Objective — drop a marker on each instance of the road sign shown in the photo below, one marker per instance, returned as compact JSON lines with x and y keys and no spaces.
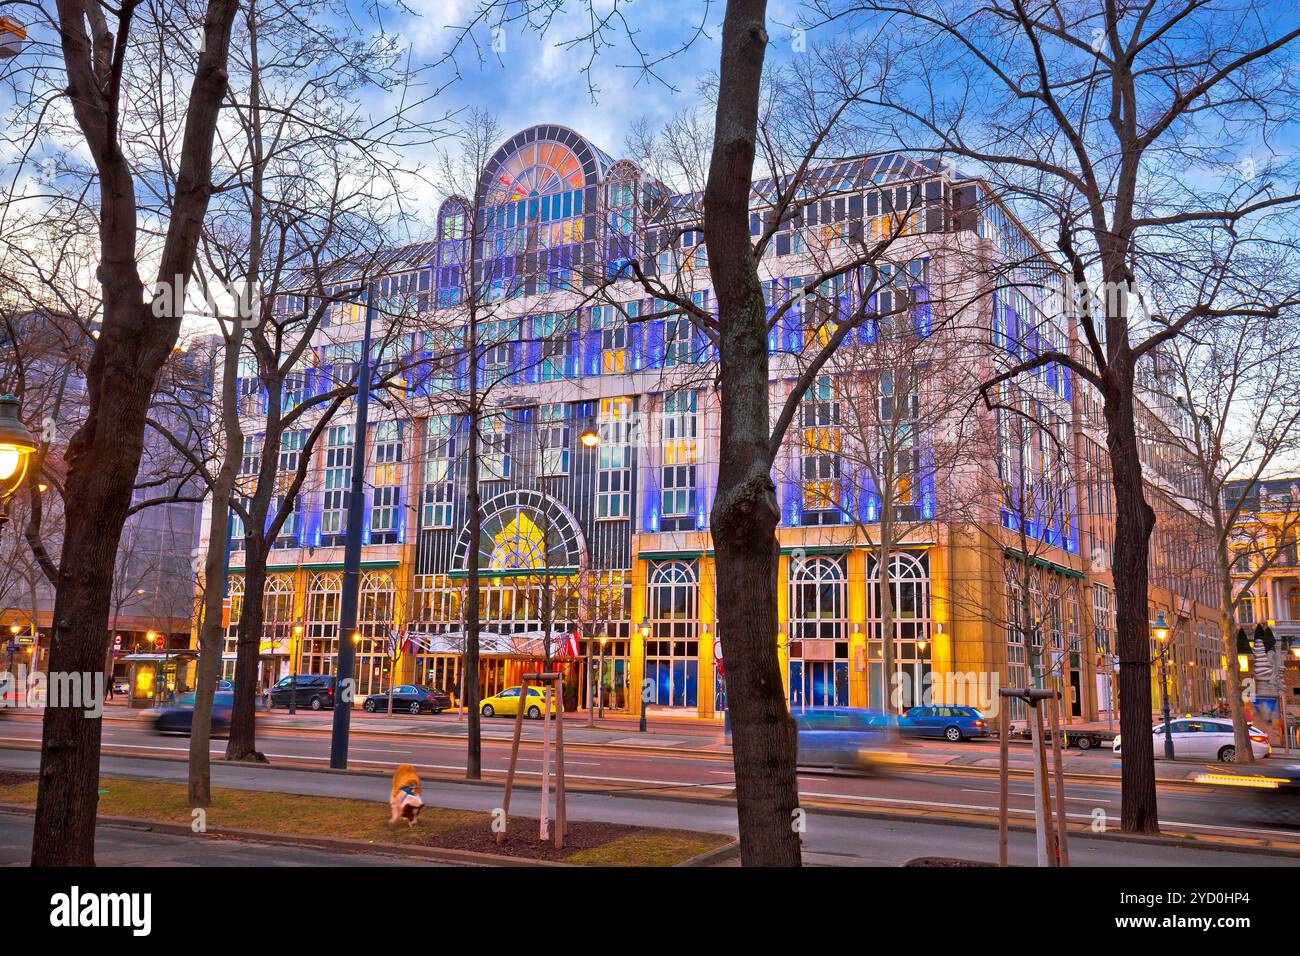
{"x":24,"y":639}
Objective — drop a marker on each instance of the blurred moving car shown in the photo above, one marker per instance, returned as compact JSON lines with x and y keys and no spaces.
{"x":843,"y":737}
{"x":941,"y":720}
{"x":411,"y":699}
{"x":314,"y":691}
{"x":1264,"y":796}
{"x":506,"y":704}
{"x":178,"y":716}
{"x":1209,"y":738}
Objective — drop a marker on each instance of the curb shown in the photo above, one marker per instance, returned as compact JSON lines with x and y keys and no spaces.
{"x":715,"y":856}
{"x":441,"y":854}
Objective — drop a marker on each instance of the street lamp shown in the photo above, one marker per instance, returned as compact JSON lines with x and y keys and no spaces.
{"x":600,"y":681}
{"x":645,"y":634}
{"x":16,"y":447}
{"x":1160,"y":629}
{"x":590,"y":438}
{"x":14,"y":630}
{"x":296,"y":650}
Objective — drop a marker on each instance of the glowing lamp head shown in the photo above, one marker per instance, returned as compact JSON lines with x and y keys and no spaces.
{"x":16,"y":442}
{"x":645,"y":629}
{"x":590,"y":437}
{"x":605,"y":640}
{"x":1161,"y":628}
{"x":14,"y":629}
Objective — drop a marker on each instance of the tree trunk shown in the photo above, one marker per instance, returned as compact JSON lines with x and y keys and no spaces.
{"x":745,"y":512}
{"x":884,"y":557}
{"x":1228,"y":632}
{"x":242,"y":744}
{"x":1134,"y":521}
{"x":104,"y":454}
{"x":210,"y":633}
{"x":469,"y":670}
{"x":104,"y":457}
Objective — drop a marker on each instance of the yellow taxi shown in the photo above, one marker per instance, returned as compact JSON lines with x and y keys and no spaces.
{"x":506,"y":704}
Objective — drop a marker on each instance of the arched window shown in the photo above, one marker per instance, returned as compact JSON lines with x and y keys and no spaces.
{"x":909,"y":589}
{"x":673,"y":648}
{"x":818,"y":609}
{"x":818,"y":599}
{"x":235,"y":596}
{"x":377,"y":610}
{"x":673,"y":597}
{"x":277,"y":609}
{"x":378,"y":605}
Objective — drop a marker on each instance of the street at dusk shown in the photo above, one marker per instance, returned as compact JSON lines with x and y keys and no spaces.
{"x":757,"y":439}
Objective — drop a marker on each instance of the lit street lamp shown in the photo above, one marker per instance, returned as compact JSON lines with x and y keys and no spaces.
{"x":296,"y":650}
{"x":1160,"y":629}
{"x":645,"y":634}
{"x":16,"y":447}
{"x":600,"y":681}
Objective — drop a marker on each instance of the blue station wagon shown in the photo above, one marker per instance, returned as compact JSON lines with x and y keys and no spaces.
{"x":940,"y":720}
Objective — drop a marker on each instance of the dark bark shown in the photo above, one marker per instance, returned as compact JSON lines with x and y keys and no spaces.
{"x":104,"y":454}
{"x":1134,"y":521}
{"x":745,"y":511}
{"x":469,"y":679}
{"x":242,"y":742}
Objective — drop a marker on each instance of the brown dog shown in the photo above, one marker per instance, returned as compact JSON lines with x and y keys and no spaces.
{"x":406,"y":801}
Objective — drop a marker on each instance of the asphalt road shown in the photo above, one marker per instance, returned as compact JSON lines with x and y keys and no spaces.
{"x":621,"y":769}
{"x":830,"y":839}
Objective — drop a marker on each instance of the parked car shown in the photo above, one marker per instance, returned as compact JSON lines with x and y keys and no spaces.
{"x":506,"y":704}
{"x":313,"y":691}
{"x":411,"y":699}
{"x":121,"y":686}
{"x":941,"y":720}
{"x":178,"y":716}
{"x":843,"y":737}
{"x":1207,"y":738}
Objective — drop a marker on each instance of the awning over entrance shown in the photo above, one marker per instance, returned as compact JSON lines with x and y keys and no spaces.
{"x":491,"y":643}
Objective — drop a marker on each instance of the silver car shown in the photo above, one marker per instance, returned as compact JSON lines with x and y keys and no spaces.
{"x":1204,"y":738}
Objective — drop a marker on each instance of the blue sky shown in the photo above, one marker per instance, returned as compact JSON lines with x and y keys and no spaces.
{"x":536,"y":81}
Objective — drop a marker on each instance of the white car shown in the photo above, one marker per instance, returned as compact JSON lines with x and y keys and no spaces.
{"x":1208,"y":738}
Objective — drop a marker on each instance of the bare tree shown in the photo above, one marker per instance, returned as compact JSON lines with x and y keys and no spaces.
{"x":1094,"y":120}
{"x":1234,"y":389}
{"x":103,"y":49}
{"x":312,"y":205}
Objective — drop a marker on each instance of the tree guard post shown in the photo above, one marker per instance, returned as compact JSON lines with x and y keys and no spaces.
{"x":554,"y":683}
{"x":1052,"y":825}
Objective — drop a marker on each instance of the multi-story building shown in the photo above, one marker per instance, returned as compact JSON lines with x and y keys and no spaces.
{"x":1267,"y":549}
{"x":599,"y":447}
{"x":151,"y":604}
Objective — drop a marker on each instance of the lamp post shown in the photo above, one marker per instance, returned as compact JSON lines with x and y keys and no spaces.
{"x":600,"y":680}
{"x":1160,"y":629}
{"x":645,"y":635}
{"x":345,"y":665}
{"x":14,"y":631}
{"x":16,"y":448}
{"x":296,"y":650}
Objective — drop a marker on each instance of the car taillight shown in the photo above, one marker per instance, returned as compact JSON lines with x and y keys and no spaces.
{"x":329,"y":691}
{"x":1259,"y":738}
{"x":979,"y":723}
